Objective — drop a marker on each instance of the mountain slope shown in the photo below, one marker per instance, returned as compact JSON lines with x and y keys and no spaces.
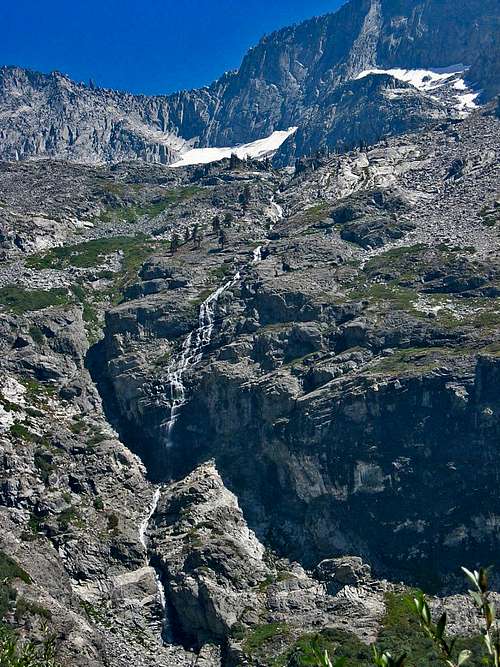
{"x":300,"y":76}
{"x":322,"y":383}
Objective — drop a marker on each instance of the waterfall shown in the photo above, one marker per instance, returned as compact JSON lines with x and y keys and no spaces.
{"x":277,"y":209}
{"x":191,"y":354}
{"x":143,"y":529}
{"x":257,"y":255}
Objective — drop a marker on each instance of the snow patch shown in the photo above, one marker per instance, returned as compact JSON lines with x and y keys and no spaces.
{"x":467,"y":101}
{"x":423,"y":79}
{"x":434,"y":80}
{"x":256,"y":149}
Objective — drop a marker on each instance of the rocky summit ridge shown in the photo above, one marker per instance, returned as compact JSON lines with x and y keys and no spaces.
{"x":305,"y":76}
{"x":246,"y":409}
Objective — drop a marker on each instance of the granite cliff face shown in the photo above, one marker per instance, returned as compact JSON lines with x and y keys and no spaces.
{"x":303,"y":76}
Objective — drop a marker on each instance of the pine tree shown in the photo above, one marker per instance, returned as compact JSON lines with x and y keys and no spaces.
{"x":245,"y":197}
{"x":187,"y":235}
{"x":216,"y":224}
{"x":222,"y":238}
{"x":196,"y":236}
{"x":228,"y":219}
{"x":233,"y":161}
{"x":174,"y":242}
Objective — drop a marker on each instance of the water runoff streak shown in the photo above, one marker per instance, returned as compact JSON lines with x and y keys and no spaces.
{"x":192,"y":353}
{"x":143,"y":530}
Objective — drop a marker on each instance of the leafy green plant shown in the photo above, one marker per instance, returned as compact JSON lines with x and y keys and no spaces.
{"x":385,"y":659}
{"x":481,"y":598}
{"x":15,"y":653}
{"x":19,"y":300}
{"x":437,"y":633}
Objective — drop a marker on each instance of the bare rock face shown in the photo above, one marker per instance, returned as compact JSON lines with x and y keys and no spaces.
{"x":222,"y":585}
{"x":337,"y":371}
{"x":349,"y":570}
{"x":209,"y":583}
{"x":50,"y":116}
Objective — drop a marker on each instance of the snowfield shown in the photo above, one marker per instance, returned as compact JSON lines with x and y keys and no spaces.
{"x":259,"y":149}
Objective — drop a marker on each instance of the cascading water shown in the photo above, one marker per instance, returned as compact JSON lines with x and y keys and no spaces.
{"x":257,"y":255}
{"x":277,"y":211}
{"x":191,"y":354}
{"x":143,"y":529}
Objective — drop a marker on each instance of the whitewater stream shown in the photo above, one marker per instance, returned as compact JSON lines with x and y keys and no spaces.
{"x":143,"y":537}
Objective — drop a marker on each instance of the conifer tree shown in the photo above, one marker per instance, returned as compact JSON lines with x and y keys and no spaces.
{"x":174,"y":242}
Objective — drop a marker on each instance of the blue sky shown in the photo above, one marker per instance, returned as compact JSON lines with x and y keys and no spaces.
{"x":148,"y":46}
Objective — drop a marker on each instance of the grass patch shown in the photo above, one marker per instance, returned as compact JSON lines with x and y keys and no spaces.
{"x":403,"y":259}
{"x":414,"y":360}
{"x":17,"y":653}
{"x":44,"y":464}
{"x":261,"y":635}
{"x":315,"y":213}
{"x":202,"y":296}
{"x":397,"y":297}
{"x":134,"y":252}
{"x":21,"y":432}
{"x":36,"y":334}
{"x":270,"y":580}
{"x":338,"y":643}
{"x":493,"y":350}
{"x":85,"y":255}
{"x":67,"y":518}
{"x":401,"y":633}
{"x":19,"y":300}
{"x":10,"y":570}
{"x":220,"y":272}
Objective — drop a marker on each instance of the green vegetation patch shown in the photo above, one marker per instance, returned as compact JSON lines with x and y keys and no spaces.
{"x":67,"y":518}
{"x":395,"y":296}
{"x":405,"y":260}
{"x":414,"y":360}
{"x":14,"y":652}
{"x":401,"y":633}
{"x":490,"y":215}
{"x":87,"y":254}
{"x":262,"y":635}
{"x":338,"y":643}
{"x":132,"y":212}
{"x":9,"y":571}
{"x":19,"y":300}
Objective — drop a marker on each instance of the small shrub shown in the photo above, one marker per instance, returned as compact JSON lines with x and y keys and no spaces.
{"x":98,"y":503}
{"x":44,"y":464}
{"x":66,"y":518}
